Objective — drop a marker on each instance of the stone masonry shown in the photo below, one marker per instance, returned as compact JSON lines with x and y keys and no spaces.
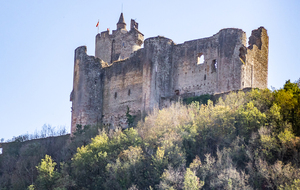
{"x":123,"y":75}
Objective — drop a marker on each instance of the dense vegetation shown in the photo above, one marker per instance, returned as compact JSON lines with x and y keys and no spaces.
{"x":246,"y":141}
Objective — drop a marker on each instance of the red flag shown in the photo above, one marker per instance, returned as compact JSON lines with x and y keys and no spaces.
{"x":97,"y":24}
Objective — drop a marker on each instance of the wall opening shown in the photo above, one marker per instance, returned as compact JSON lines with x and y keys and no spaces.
{"x":204,"y":77}
{"x":242,"y":55}
{"x":116,"y":95}
{"x":129,"y":92}
{"x":177,"y":92}
{"x":112,"y":51}
{"x":214,"y":66}
{"x":200,"y":58}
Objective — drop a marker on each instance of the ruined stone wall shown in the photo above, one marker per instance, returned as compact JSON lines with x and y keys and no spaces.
{"x":122,"y":88}
{"x":257,"y":58}
{"x":182,"y":73}
{"x":86,"y":96}
{"x":190,"y":76}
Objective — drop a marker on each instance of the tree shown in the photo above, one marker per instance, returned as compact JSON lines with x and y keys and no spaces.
{"x":191,"y":181}
{"x":47,"y":175}
{"x":288,"y":99}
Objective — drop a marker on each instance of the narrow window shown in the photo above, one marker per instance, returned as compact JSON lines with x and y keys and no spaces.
{"x":129,"y":92}
{"x":214,"y":66}
{"x":123,"y":44}
{"x":200,"y":58}
{"x":204,"y":77}
{"x":116,"y":95}
{"x":177,"y":92}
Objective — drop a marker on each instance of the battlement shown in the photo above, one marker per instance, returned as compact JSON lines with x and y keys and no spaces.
{"x":123,"y":75}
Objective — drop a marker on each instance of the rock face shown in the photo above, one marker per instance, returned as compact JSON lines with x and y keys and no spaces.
{"x":123,"y":75}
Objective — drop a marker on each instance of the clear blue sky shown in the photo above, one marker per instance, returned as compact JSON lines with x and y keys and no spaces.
{"x":38,"y":39}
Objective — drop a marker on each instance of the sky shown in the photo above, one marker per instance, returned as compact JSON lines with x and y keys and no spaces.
{"x":38,"y":39}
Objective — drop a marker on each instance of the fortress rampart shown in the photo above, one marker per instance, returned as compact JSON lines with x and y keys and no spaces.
{"x":123,"y":75}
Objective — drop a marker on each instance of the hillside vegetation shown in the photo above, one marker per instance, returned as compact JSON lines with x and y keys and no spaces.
{"x":246,"y":141}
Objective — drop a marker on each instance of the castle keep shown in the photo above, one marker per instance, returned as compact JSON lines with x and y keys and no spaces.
{"x":124,"y":75}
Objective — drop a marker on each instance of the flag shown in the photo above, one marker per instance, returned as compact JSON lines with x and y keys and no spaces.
{"x":97,"y":24}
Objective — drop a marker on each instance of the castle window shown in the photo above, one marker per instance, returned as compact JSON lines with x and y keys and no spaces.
{"x":116,"y":95}
{"x":204,"y":77}
{"x":214,"y":66}
{"x":200,"y":58}
{"x":177,"y":92}
{"x":129,"y":92}
{"x":123,"y":44}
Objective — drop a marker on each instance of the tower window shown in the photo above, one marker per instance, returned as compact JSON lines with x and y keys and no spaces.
{"x":123,"y":44}
{"x":116,"y":95}
{"x":200,"y":58}
{"x":204,"y":77}
{"x":129,"y":92}
{"x":214,"y":66}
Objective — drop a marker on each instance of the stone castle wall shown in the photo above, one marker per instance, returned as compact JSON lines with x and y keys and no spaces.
{"x":123,"y":86}
{"x":162,"y":71}
{"x":86,"y":96}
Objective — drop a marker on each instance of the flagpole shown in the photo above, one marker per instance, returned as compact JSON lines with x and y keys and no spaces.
{"x":98,"y":26}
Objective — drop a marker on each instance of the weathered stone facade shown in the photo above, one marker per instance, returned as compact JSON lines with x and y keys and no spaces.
{"x":123,"y":75}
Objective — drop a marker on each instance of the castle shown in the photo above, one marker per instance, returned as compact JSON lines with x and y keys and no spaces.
{"x":122,"y":75}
